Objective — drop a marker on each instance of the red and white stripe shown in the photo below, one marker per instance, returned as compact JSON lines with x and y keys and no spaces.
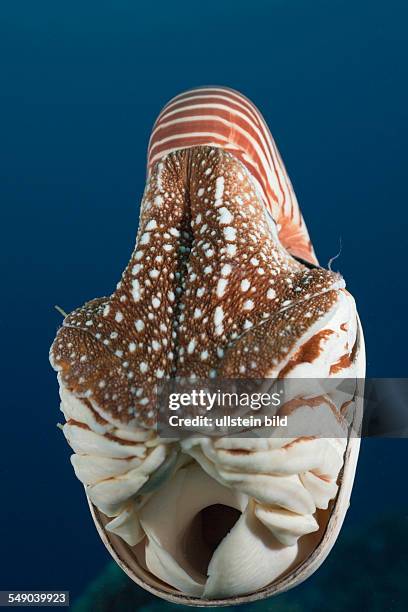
{"x":222,"y":117}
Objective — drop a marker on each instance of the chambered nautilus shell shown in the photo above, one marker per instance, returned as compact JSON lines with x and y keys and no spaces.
{"x":223,"y":282}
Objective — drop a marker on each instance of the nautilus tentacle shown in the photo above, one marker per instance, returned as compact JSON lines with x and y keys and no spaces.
{"x":216,"y":287}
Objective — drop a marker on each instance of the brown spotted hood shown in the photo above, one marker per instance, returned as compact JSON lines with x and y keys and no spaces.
{"x":209,"y":291}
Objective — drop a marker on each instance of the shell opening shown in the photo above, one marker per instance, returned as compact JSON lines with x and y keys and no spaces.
{"x":205,"y":532}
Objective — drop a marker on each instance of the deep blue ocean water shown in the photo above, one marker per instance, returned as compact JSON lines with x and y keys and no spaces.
{"x":81,"y":85}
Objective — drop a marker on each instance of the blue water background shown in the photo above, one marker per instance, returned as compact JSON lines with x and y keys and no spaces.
{"x":81,"y":85}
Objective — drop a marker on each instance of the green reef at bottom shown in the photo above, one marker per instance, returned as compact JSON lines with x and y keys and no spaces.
{"x":366,"y":570}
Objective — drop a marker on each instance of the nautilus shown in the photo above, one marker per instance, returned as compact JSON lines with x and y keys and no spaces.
{"x":223,"y":283}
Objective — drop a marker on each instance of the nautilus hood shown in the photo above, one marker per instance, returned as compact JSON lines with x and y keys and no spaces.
{"x":209,"y":291}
